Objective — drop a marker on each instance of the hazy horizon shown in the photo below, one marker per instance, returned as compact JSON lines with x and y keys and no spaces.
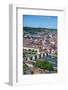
{"x":39,"y":27}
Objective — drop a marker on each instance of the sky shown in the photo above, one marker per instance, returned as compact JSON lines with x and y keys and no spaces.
{"x":40,"y":21}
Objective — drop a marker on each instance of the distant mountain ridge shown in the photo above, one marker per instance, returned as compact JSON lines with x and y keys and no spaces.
{"x":34,"y":29}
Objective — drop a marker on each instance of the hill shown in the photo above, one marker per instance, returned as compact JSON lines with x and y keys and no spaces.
{"x":36,"y":30}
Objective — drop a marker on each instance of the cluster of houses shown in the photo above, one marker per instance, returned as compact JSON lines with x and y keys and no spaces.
{"x":43,"y":42}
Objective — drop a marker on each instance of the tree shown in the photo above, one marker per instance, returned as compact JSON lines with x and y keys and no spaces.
{"x":25,"y":68}
{"x":50,"y":67}
{"x":44,"y":64}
